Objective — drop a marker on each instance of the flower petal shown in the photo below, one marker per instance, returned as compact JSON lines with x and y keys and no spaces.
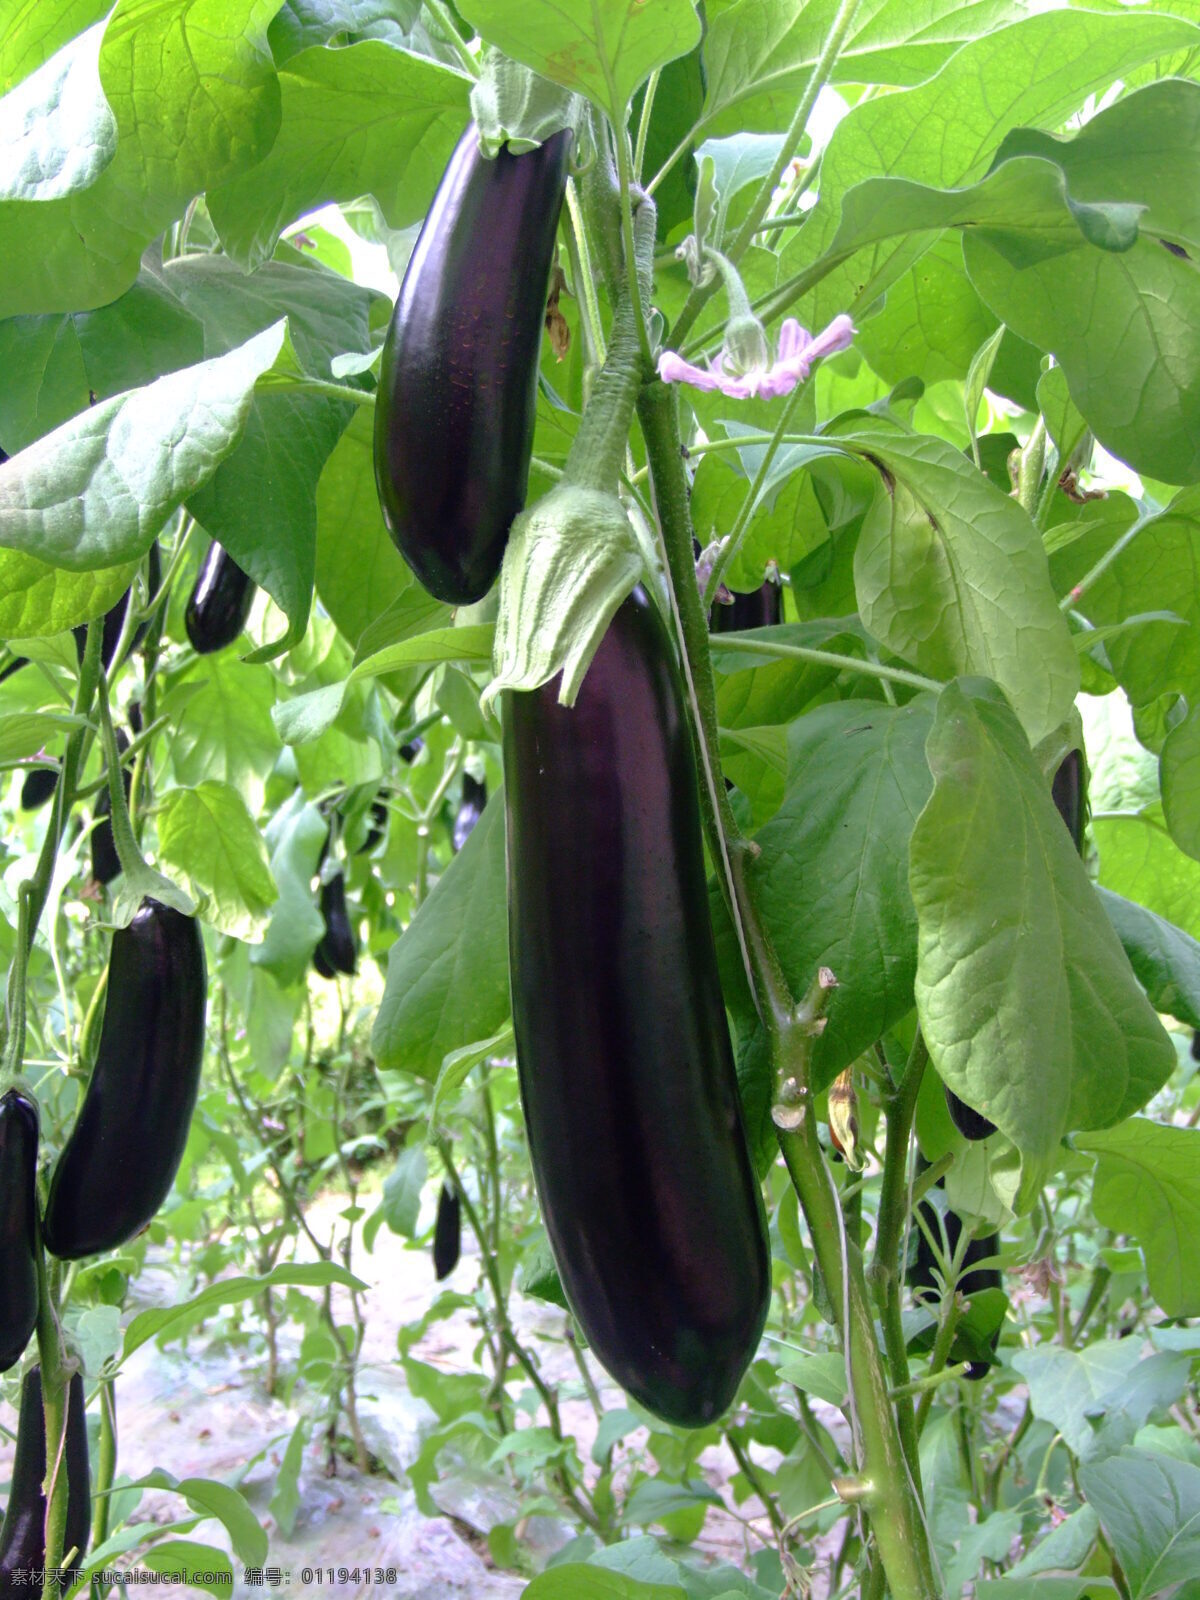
{"x":672,"y":368}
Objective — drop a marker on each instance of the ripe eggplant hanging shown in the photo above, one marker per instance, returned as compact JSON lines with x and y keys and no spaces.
{"x":220,"y":602}
{"x":22,"y":1536}
{"x":474,"y":798}
{"x":972,"y":1124}
{"x":454,"y":415}
{"x":106,"y":864}
{"x":114,"y":618}
{"x":128,"y":1139}
{"x":762,"y":609}
{"x":626,"y":1070}
{"x":921,"y":1278}
{"x":337,"y":946}
{"x":18,"y":1224}
{"x":38,"y":787}
{"x":447,"y":1233}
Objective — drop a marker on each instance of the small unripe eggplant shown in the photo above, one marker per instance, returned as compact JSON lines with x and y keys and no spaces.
{"x":454,"y":414}
{"x":762,"y":609}
{"x":972,"y":1124}
{"x":337,"y":946}
{"x":38,"y":787}
{"x":23,"y":1537}
{"x":219,"y":604}
{"x":123,"y":1153}
{"x":379,"y":821}
{"x":1068,"y":791}
{"x":626,"y":1069}
{"x":474,"y":798}
{"x":106,"y":864}
{"x":18,"y":1224}
{"x":447,"y":1233}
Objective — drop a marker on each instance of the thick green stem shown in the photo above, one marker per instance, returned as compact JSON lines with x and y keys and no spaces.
{"x":106,"y":1462}
{"x":885,"y":1273}
{"x":838,"y":33}
{"x":57,"y":1369}
{"x":597,"y":454}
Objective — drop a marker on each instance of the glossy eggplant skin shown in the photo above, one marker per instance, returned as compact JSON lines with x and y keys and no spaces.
{"x":219,"y":603}
{"x":762,"y":609}
{"x":972,"y":1124}
{"x":337,"y":945}
{"x":1067,"y":789}
{"x":447,"y":1233}
{"x":125,"y":1148}
{"x":474,"y":798}
{"x":921,"y":1276}
{"x":18,"y":1224}
{"x":106,"y":864}
{"x":114,"y":619}
{"x":38,"y":788}
{"x":454,"y":414}
{"x":627,"y":1076}
{"x":23,"y":1537}
{"x":379,"y":822}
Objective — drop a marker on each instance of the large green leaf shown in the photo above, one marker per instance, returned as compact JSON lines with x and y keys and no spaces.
{"x":221,"y":728}
{"x":360,"y":573}
{"x":1179,"y":766}
{"x":1074,"y":1389}
{"x":951,"y":574}
{"x":35,"y":29}
{"x":1124,"y":329}
{"x":194,"y":93}
{"x":1148,"y":1183}
{"x":831,"y":882}
{"x":947,"y":129}
{"x":447,"y":976}
{"x":96,"y":491}
{"x":1164,"y":957}
{"x":1140,"y":860}
{"x":207,"y":835}
{"x":1150,"y":1508}
{"x":37,"y":600}
{"x":1026,"y":1000}
{"x":158,"y":1320}
{"x":364,"y":118}
{"x":932,"y":321}
{"x":572,"y":1581}
{"x":296,"y":835}
{"x":603,"y":49}
{"x":56,"y":130}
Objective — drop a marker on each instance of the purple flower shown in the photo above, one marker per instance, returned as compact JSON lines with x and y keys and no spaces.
{"x":794,"y":357}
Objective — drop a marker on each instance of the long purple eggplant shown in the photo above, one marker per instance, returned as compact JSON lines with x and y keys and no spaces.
{"x":457,"y":390}
{"x":761,"y":609}
{"x":626,"y":1069}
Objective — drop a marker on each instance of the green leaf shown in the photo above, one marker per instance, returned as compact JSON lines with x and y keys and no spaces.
{"x":158,"y":1320}
{"x":402,"y":1191}
{"x":1149,"y":1506}
{"x":1024,"y":995}
{"x":1049,"y":1588}
{"x":296,"y":835}
{"x":365,"y":117}
{"x":220,"y":714}
{"x":199,"y":1566}
{"x":603,"y":49}
{"x":951,"y":575}
{"x":97,"y":490}
{"x":360,"y":573}
{"x":1065,"y":1546}
{"x":37,"y":600}
{"x":285,"y":1499}
{"x":1140,"y":860}
{"x":945,"y":131}
{"x":214,"y":1499}
{"x":574,"y":1582}
{"x":196,"y":99}
{"x":1179,"y":767}
{"x":456,"y":1067}
{"x":1067,"y":1387}
{"x":56,"y":130}
{"x":932,"y":321}
{"x":447,"y":976}
{"x":1119,"y":328}
{"x":1148,"y":1183}
{"x":831,"y":882}
{"x":35,"y":29}
{"x":1165,"y":959}
{"x":25,"y":732}
{"x":211,"y":840}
